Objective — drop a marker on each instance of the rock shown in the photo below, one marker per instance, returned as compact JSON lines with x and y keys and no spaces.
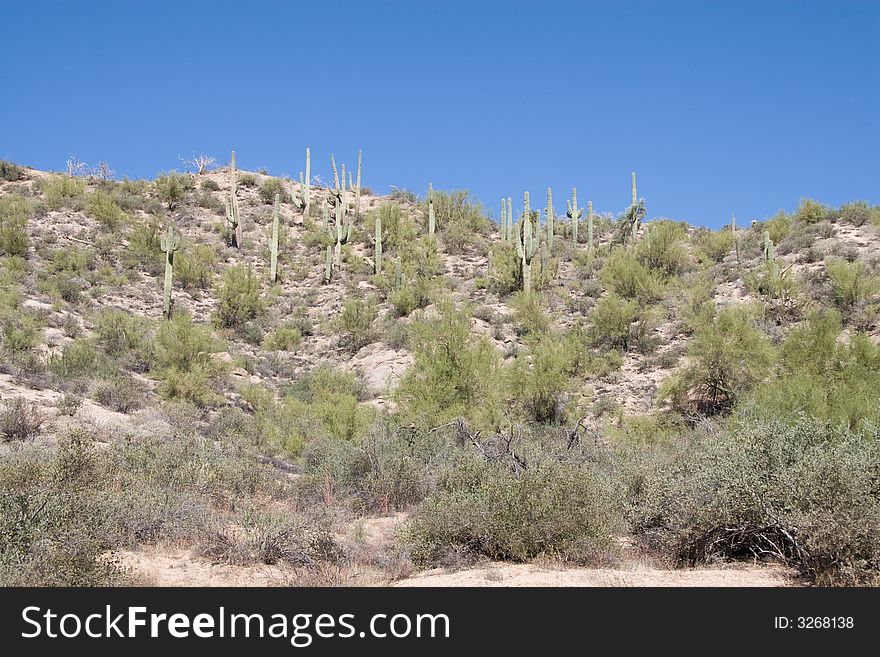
{"x":381,"y":369}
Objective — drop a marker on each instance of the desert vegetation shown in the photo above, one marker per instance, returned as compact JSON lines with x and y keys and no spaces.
{"x":258,"y":370}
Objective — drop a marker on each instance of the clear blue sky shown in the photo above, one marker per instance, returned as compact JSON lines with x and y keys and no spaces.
{"x":719,"y":107}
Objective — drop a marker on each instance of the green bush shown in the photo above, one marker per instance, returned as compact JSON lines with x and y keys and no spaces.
{"x":612,"y":320}
{"x":662,"y":249}
{"x":778,"y":226}
{"x":460,"y":219}
{"x":15,"y":210}
{"x":172,"y":187}
{"x":528,"y":313}
{"x":77,"y":359}
{"x":102,"y":207}
{"x":728,"y":356}
{"x":484,"y":509}
{"x":541,"y":377}
{"x":822,"y":374}
{"x":413,"y":294}
{"x":194,"y":266}
{"x":284,"y":338}
{"x":811,"y":212}
{"x":62,"y":191}
{"x":356,"y":323}
{"x":716,"y":244}
{"x":269,"y":188}
{"x":125,"y":336}
{"x":20,"y":420}
{"x":860,"y":213}
{"x":144,"y":246}
{"x":850,"y":283}
{"x":625,"y":275}
{"x":10,"y":172}
{"x":455,"y":373}
{"x":238,"y":297}
{"x":801,"y":492}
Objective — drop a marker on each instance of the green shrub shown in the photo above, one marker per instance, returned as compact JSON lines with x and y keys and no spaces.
{"x":102,"y":207}
{"x":460,"y":219}
{"x":716,"y":244}
{"x":238,"y":297}
{"x":184,"y":363}
{"x":62,"y":191}
{"x":612,"y":319}
{"x":209,"y":185}
{"x":662,"y":249}
{"x":269,"y":188}
{"x":850,"y":283}
{"x":484,"y":509}
{"x":20,"y":420}
{"x":822,"y":374}
{"x":15,"y":210}
{"x":455,"y":373}
{"x":194,"y":266}
{"x":541,"y":377}
{"x":172,"y":187}
{"x":284,"y":338}
{"x":778,"y":226}
{"x":78,"y":359}
{"x":528,"y":312}
{"x":625,"y":275}
{"x":811,"y":212}
{"x":728,"y":356}
{"x":399,"y":230}
{"x":355,"y":323}
{"x":413,"y":294}
{"x":120,"y":393}
{"x":144,"y":246}
{"x":10,"y":172}
{"x":123,"y":335}
{"x":860,"y":213}
{"x":801,"y":492}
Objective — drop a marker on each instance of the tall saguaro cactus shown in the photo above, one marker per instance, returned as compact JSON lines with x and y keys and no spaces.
{"x":170,"y":242}
{"x":526,"y":245}
{"x":574,"y":213}
{"x":769,"y":248}
{"x":590,"y":226}
{"x":432,"y":221}
{"x":273,"y":242}
{"x":377,"y":239}
{"x":305,"y":188}
{"x":342,"y":229}
{"x":503,"y":227}
{"x":510,"y":221}
{"x":357,"y":189}
{"x":636,"y":212}
{"x":232,"y":214}
{"x":549,"y":218}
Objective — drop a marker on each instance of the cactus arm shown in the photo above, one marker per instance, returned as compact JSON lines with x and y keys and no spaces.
{"x":336,"y":174}
{"x":328,"y":265}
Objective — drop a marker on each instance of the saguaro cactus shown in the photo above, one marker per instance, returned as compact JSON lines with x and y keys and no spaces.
{"x":769,"y":248}
{"x":305,"y":188}
{"x":574,"y":213}
{"x":636,"y":212}
{"x":398,"y":274}
{"x":526,"y":246}
{"x":357,"y":189}
{"x":377,"y":258}
{"x":432,"y":221}
{"x":503,"y":227}
{"x":549,"y":218}
{"x":328,"y":265}
{"x":232,"y":214}
{"x":273,"y":242}
{"x":343,"y":225}
{"x":510,"y":221}
{"x":589,"y":226}
{"x":170,"y":242}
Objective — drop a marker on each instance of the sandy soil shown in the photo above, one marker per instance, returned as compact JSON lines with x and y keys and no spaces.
{"x":536,"y":575}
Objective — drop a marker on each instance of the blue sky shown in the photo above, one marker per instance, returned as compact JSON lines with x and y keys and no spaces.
{"x":719,"y":107}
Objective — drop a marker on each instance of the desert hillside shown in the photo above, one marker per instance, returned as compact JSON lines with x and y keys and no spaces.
{"x":220,"y":376}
